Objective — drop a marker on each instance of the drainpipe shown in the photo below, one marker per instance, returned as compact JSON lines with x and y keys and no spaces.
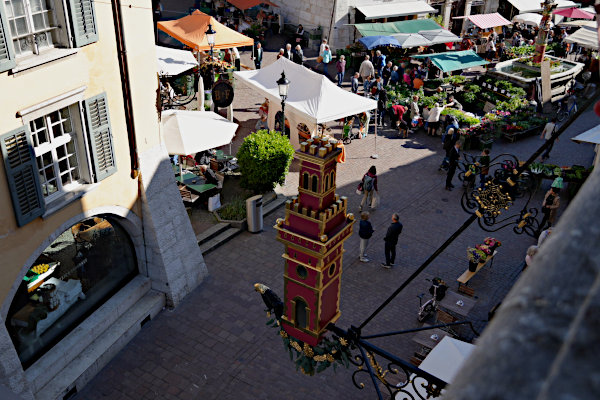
{"x":124,"y":72}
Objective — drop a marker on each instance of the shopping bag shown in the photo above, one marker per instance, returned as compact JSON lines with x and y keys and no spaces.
{"x":214,"y":202}
{"x":359,"y":189}
{"x":375,"y":201}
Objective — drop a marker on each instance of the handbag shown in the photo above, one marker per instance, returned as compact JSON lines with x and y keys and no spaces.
{"x":359,"y":189}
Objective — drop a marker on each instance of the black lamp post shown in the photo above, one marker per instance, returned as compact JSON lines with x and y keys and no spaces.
{"x":284,"y":85}
{"x":210,"y":38}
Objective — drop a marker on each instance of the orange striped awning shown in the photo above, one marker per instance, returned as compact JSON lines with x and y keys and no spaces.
{"x":190,"y":30}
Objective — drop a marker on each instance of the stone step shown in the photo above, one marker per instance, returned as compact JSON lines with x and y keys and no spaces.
{"x":211,"y":232}
{"x":274,"y":204}
{"x":90,"y":361}
{"x":218,"y":240}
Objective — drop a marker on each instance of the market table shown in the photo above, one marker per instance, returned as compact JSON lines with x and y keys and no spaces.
{"x":449,"y":302}
{"x":195,"y":183}
{"x":424,"y":338}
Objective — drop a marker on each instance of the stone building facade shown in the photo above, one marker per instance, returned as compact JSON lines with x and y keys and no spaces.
{"x":94,"y":238}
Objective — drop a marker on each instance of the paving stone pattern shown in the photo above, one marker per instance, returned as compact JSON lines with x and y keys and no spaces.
{"x":215,"y":344}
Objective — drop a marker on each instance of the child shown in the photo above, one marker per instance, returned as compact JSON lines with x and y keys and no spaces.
{"x":365,"y":232}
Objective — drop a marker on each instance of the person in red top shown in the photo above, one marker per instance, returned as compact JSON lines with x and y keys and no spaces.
{"x":398,"y":112}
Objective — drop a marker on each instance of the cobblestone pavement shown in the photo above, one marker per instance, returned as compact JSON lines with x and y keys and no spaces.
{"x":216,"y":345}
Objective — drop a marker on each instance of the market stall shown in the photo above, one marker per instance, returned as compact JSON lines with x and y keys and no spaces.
{"x":312,"y":98}
{"x":486,"y":21}
{"x":246,"y":4}
{"x":454,"y":60}
{"x":585,"y":37}
{"x":390,"y":28}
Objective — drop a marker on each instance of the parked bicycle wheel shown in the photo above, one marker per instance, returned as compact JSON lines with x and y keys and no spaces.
{"x":562,"y":115}
{"x":425,"y":312}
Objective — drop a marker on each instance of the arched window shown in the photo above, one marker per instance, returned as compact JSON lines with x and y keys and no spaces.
{"x":72,"y":277}
{"x":315,"y":184}
{"x":332,"y":179}
{"x":301,"y":314}
{"x":326,"y":182}
{"x":305,"y":181}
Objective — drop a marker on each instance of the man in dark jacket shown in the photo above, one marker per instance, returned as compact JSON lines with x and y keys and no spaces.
{"x":391,"y":240}
{"x":453,"y":158}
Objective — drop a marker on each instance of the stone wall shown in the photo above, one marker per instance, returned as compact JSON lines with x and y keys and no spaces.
{"x":174,"y":261}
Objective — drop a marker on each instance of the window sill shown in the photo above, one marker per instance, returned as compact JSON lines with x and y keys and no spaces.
{"x":67,"y":198}
{"x":43,"y":58}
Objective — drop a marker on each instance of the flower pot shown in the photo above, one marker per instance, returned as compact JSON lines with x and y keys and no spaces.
{"x":472,"y":266}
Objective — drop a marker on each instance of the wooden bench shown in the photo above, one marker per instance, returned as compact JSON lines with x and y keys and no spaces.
{"x":464,"y":279}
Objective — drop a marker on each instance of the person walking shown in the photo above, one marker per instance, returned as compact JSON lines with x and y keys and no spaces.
{"x":340,"y":67}
{"x":354,"y":83}
{"x":453,"y":158}
{"x":326,"y":61}
{"x":366,"y":69}
{"x":369,"y":187}
{"x":367,"y":85}
{"x":547,"y":136}
{"x":365,"y":231}
{"x":386,"y":74}
{"x":298,"y":56}
{"x":391,"y":240}
{"x":258,"y":55}
{"x":550,"y":207}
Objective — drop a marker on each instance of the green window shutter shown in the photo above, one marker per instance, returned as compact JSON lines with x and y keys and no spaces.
{"x":7,"y":55}
{"x":101,"y":140}
{"x":83,"y":21}
{"x":22,"y":174}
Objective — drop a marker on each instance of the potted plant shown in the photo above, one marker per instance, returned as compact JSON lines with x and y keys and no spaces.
{"x":475,"y":256}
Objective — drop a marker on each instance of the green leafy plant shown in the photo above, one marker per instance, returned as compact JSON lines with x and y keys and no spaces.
{"x":235,"y":210}
{"x":455,"y":79}
{"x":264,"y":159}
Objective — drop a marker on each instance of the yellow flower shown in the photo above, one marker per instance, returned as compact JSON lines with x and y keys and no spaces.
{"x":308,"y":350}
{"x":283,"y":333}
{"x":343,"y":341}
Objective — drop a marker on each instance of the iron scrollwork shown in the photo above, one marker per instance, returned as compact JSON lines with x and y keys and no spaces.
{"x":498,"y":193}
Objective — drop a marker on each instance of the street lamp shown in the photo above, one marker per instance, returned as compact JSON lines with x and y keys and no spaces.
{"x":210,"y":38}
{"x":284,"y":85}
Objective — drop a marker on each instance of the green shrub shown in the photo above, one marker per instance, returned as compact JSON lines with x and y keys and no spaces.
{"x":264,"y":159}
{"x":235,"y":210}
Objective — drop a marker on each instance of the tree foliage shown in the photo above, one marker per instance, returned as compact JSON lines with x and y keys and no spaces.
{"x":264,"y":159}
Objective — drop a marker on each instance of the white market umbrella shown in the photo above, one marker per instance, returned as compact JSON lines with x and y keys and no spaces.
{"x":437,"y":36}
{"x":529,"y":19}
{"x":446,"y":358}
{"x":591,"y":136}
{"x":171,"y":62}
{"x":187,"y":132}
{"x":410,"y":40}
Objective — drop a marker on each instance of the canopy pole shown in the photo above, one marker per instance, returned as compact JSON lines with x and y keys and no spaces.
{"x":375,"y":155}
{"x":180,"y":167}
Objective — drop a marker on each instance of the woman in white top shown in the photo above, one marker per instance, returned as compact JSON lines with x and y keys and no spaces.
{"x":433,"y":122}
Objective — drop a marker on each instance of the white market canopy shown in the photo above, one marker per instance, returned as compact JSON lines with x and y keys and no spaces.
{"x":171,"y":62}
{"x":444,"y":361}
{"x":535,"y":5}
{"x":410,"y":40}
{"x":188,"y":132}
{"x":311,"y":94}
{"x":589,"y":136}
{"x":579,"y":23}
{"x":438,"y":36}
{"x":529,"y":19}
{"x":585,"y":37}
{"x":373,"y":9}
{"x":447,"y":358}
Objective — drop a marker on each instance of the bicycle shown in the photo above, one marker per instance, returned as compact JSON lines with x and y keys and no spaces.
{"x":566,"y":111}
{"x":438,"y":291}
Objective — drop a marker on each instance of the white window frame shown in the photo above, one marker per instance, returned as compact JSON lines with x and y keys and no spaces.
{"x":52,"y":146}
{"x":32,"y":36}
{"x":74,"y":101}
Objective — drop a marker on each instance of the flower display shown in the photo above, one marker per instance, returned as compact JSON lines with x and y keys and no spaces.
{"x":492,"y":242}
{"x":475,"y":255}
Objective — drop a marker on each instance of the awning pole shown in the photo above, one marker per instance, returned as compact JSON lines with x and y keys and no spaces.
{"x":375,"y":155}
